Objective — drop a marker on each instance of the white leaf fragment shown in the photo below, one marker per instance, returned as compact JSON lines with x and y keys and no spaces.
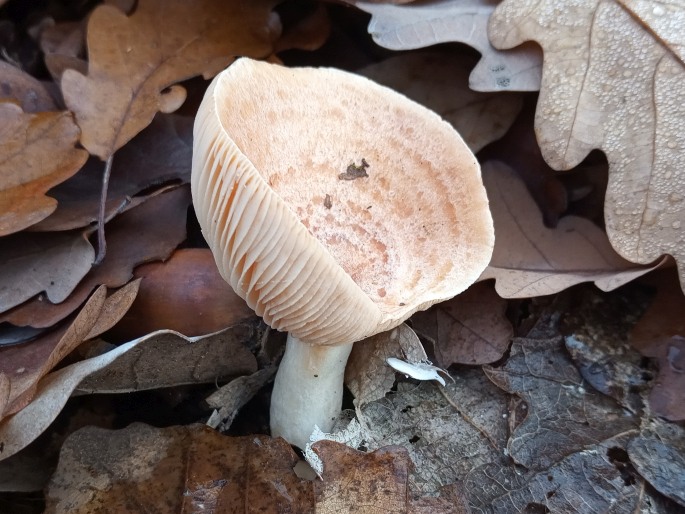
{"x":418,"y":370}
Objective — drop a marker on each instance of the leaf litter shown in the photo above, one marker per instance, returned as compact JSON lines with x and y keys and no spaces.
{"x":522,"y":433}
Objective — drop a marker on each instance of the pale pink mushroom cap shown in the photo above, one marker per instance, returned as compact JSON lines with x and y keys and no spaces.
{"x":334,"y":261}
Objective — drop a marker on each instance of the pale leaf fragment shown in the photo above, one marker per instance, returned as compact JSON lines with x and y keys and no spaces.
{"x":613,"y":81}
{"x":406,"y":27}
{"x":134,"y":61}
{"x":530,"y":259}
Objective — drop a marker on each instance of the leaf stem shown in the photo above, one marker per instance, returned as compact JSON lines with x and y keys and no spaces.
{"x":102,"y":243}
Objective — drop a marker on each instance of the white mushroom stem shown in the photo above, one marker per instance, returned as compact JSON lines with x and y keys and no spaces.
{"x":307,"y":390}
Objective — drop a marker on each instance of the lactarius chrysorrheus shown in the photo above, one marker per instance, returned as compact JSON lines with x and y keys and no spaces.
{"x":336,"y":208}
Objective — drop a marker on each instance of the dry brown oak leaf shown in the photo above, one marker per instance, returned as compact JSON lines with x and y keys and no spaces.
{"x":188,"y":277}
{"x":176,"y":469}
{"x":36,"y":153}
{"x":614,"y":80}
{"x":135,"y":60}
{"x":530,"y":259}
{"x":472,"y":328}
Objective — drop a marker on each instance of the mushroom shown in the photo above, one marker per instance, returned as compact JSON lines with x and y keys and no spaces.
{"x":336,"y":208}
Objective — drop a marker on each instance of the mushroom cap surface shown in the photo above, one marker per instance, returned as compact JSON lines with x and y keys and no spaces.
{"x":313,"y":250}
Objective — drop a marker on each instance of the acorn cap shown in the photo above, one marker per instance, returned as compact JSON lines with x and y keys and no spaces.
{"x":334,"y":206}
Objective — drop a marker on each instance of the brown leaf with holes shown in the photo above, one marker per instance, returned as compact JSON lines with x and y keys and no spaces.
{"x":149,"y":232}
{"x":530,"y":259}
{"x":614,"y":80}
{"x":471,"y":328}
{"x":175,"y":469}
{"x":36,"y":153}
{"x":188,"y":278}
{"x":24,"y":365}
{"x":134,"y":61}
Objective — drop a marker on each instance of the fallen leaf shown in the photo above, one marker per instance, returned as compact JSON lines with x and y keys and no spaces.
{"x":36,"y":153}
{"x":149,"y":232}
{"x":520,"y":448}
{"x":33,"y":263}
{"x":5,"y":390}
{"x":519,"y":149}
{"x":377,"y":480}
{"x":63,"y":38}
{"x":658,"y":454}
{"x":471,"y":328}
{"x":308,"y":33}
{"x":445,"y":440}
{"x":188,"y":278}
{"x":134,"y":61}
{"x":530,"y":259}
{"x":614,"y":82}
{"x":439,"y":81}
{"x":175,"y":469}
{"x":367,"y":374}
{"x":563,"y":413}
{"x":30,"y":93}
{"x":166,"y":358}
{"x":160,"y":154}
{"x":153,"y":367}
{"x":229,"y":399}
{"x":116,"y":305}
{"x":663,"y":317}
{"x":63,"y":45}
{"x":464,"y":21}
{"x":596,"y":332}
{"x":660,"y":334}
{"x":25,"y":365}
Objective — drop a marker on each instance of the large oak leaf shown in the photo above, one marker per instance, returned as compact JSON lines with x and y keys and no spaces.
{"x":134,"y":61}
{"x":613,"y":79}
